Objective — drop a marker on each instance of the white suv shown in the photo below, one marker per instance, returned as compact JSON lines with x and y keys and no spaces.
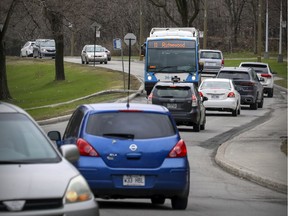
{"x":263,"y":70}
{"x":212,"y":60}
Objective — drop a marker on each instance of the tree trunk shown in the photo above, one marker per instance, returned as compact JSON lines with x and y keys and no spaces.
{"x":59,"y":61}
{"x":4,"y":90}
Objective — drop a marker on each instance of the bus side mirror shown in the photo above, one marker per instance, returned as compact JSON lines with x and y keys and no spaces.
{"x":201,"y":66}
{"x":143,"y":49}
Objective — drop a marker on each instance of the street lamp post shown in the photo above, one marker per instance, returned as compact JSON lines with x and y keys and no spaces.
{"x":95,"y":26}
{"x":266,"y":53}
{"x":280,"y":56}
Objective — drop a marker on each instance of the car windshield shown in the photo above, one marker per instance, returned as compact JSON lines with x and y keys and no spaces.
{"x":22,"y":142}
{"x":130,"y":125}
{"x":50,"y":43}
{"x":210,"y":55}
{"x":97,"y":49}
{"x":215,"y":85}
{"x":172,"y":92}
{"x":235,"y":75}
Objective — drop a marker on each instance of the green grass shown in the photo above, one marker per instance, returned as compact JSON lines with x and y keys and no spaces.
{"x":32,"y":84}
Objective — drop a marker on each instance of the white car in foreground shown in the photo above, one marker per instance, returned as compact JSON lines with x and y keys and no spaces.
{"x":222,"y":95}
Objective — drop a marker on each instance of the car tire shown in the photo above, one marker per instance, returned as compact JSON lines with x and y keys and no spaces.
{"x":105,"y":62}
{"x":270,"y":93}
{"x":239,"y":111}
{"x":87,"y":62}
{"x":260,"y":105}
{"x":179,"y":203}
{"x":82,"y":61}
{"x":235,"y":112}
{"x":254,"y":106}
{"x":158,"y":200}
{"x":202,"y":127}
{"x":196,"y":127}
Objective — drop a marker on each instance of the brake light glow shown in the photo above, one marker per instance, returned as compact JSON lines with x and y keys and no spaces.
{"x":85,"y":149}
{"x":201,"y":94}
{"x":222,"y":62}
{"x":194,"y":101}
{"x":266,"y":75}
{"x":179,"y":150}
{"x":231,"y":95}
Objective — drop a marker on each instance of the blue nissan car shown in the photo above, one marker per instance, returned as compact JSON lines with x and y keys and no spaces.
{"x":130,"y":151}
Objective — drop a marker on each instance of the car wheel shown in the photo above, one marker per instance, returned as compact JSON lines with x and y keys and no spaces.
{"x":254,"y":106}
{"x":202,"y":127}
{"x":82,"y":61}
{"x":196,"y":127}
{"x":158,"y":200}
{"x":179,"y":203}
{"x":235,"y":112}
{"x":260,"y":105}
{"x":105,"y":62}
{"x":239,"y":110}
{"x":270,"y":93}
{"x":87,"y":62}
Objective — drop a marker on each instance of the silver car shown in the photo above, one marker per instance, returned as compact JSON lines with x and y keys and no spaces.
{"x":87,"y":54}
{"x":212,"y":61}
{"x":35,"y":178}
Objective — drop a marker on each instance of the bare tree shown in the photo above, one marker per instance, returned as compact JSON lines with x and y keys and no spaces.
{"x":235,"y":8}
{"x":184,"y":7}
{"x":4,"y":90}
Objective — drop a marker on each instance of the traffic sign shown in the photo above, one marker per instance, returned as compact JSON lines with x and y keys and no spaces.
{"x":117,"y":43}
{"x":130,"y":37}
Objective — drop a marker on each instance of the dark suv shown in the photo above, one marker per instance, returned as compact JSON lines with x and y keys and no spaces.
{"x":247,"y":84}
{"x":183,"y":101}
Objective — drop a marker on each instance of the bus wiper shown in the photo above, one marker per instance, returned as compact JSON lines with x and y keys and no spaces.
{"x":121,"y":135}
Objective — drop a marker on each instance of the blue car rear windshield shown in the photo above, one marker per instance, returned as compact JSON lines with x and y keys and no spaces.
{"x":139,"y":125}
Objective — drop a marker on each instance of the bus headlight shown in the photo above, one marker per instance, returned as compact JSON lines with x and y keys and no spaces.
{"x":149,"y":77}
{"x":193,"y":77}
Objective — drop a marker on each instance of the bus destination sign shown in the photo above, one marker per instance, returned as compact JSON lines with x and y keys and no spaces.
{"x":171,"y":44}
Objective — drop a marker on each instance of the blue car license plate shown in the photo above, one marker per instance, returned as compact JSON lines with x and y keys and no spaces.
{"x":134,"y":180}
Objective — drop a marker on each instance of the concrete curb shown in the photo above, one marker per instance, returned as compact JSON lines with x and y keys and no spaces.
{"x":244,"y":172}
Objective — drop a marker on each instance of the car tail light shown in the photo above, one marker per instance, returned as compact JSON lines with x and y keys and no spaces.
{"x":150,"y":98}
{"x":222,"y":62}
{"x":194,"y":101}
{"x":231,"y":94}
{"x":201,"y":94}
{"x":179,"y":150}
{"x":85,"y":149}
{"x":266,"y":75}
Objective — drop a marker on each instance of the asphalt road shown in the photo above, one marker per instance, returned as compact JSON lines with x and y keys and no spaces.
{"x":212,"y":190}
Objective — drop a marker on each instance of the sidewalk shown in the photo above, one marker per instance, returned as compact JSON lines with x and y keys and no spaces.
{"x":256,"y":155}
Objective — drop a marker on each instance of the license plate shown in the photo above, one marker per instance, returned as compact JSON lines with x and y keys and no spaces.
{"x":210,"y":64}
{"x":171,"y":105}
{"x":134,"y":180}
{"x":215,"y":97}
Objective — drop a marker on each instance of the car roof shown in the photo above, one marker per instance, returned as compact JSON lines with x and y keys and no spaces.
{"x":240,"y":69}
{"x":210,"y":50}
{"x":254,"y":63}
{"x":10,"y":108}
{"x":217,"y":80}
{"x":123,"y":106}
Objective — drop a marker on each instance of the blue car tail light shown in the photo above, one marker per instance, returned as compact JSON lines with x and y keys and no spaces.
{"x":86,"y":149}
{"x":179,"y":150}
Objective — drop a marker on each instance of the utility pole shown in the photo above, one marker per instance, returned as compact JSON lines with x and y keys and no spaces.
{"x":280,"y":56}
{"x":266,"y":53}
{"x":259,"y":36}
{"x":205,"y":26}
{"x":141,"y":30}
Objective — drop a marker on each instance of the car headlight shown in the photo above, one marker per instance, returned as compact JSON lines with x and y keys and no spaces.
{"x":43,"y":50}
{"x":78,"y":191}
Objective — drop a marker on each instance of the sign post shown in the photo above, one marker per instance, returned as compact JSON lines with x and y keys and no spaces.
{"x":96,"y":26}
{"x":129,"y":39}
